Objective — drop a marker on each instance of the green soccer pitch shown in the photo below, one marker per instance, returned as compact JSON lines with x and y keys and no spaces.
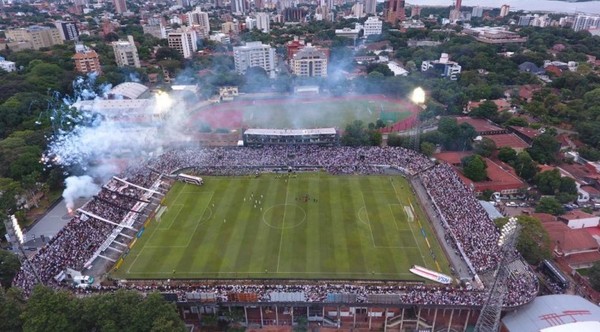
{"x":304,"y":226}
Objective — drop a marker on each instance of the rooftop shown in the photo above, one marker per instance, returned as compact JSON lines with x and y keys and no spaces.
{"x":510,"y":140}
{"x":291,"y":132}
{"x":129,"y":90}
{"x":576,"y":214}
{"x":556,"y":313}
{"x":529,"y":132}
{"x":480,"y":125}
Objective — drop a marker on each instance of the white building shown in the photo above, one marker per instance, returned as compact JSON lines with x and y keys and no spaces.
{"x":126,"y":53}
{"x":371,"y":7}
{"x":579,"y":219}
{"x":444,"y":66}
{"x":199,"y":19}
{"x":584,"y":22}
{"x":7,"y":65}
{"x":239,"y":7}
{"x":254,"y":54}
{"x":250,"y":23}
{"x":358,"y":10}
{"x":220,"y":37}
{"x":184,"y":41}
{"x":372,"y":26}
{"x":309,"y":61}
{"x":504,"y":10}
{"x":477,"y":11}
{"x":263,"y":22}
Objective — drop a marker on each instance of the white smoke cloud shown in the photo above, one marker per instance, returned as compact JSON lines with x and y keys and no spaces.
{"x":78,"y":186}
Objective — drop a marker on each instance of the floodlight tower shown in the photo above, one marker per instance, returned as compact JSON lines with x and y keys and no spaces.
{"x":418,"y":98}
{"x":15,"y":238}
{"x":489,"y":318}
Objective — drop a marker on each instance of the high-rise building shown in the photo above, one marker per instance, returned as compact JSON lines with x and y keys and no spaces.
{"x":584,"y":22}
{"x":67,"y":30}
{"x":86,"y":60}
{"x":120,"y":6}
{"x":477,"y":11}
{"x":309,"y":61}
{"x":370,"y":7}
{"x":126,"y":53}
{"x":358,"y":10}
{"x":239,"y":7}
{"x":415,"y":11}
{"x":458,"y":5}
{"x":254,"y":54}
{"x":263,"y":22}
{"x":184,"y":41}
{"x":36,"y":36}
{"x":199,"y":19}
{"x":250,"y":23}
{"x":395,"y":11}
{"x":372,"y":26}
{"x":259,"y":4}
{"x":504,"y":10}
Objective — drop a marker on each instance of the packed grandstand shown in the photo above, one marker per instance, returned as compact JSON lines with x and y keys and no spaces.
{"x":123,"y":202}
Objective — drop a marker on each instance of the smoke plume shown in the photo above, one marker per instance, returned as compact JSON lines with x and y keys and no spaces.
{"x":78,"y":186}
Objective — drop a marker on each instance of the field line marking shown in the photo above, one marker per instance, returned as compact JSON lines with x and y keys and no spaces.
{"x":283,"y":225}
{"x":212,"y":193}
{"x":179,"y":207}
{"x":135,"y":259}
{"x":368,"y":221}
{"x":410,"y":225}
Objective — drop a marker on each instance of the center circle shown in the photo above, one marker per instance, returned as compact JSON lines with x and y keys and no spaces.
{"x":284,"y":216}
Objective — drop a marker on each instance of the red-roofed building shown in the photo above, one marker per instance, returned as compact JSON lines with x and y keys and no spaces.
{"x":554,"y":70}
{"x":579,"y":219}
{"x":500,"y":177}
{"x":592,"y":192}
{"x":511,"y":140}
{"x":482,"y":126}
{"x":544,"y":217}
{"x":502,"y":104}
{"x":525,"y":133}
{"x":453,"y":158}
{"x":526,"y":91}
{"x":576,"y":246}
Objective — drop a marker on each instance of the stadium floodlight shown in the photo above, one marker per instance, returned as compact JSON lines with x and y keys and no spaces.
{"x":17,"y":229}
{"x":418,"y":96}
{"x":163,"y":101}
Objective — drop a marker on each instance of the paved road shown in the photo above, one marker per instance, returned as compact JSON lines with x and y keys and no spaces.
{"x":49,"y":225}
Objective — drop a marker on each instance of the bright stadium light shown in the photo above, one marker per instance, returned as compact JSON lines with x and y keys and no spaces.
{"x":163,"y":101}
{"x":418,"y":96}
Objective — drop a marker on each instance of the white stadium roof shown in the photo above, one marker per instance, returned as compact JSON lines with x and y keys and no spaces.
{"x":129,"y":90}
{"x":291,"y":132}
{"x":555,"y":313}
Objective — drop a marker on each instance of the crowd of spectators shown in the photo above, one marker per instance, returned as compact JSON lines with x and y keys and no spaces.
{"x":463,"y":218}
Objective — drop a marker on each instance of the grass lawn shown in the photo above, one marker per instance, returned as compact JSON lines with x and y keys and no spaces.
{"x":314,"y":114}
{"x":312,"y":226}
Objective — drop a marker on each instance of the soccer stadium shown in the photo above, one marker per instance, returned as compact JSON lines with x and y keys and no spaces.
{"x":280,"y":233}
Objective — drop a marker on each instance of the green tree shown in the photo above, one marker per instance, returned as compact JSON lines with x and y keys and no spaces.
{"x":12,"y":304}
{"x":533,"y":241}
{"x":549,"y":205}
{"x":544,"y":148}
{"x":487,"y":109}
{"x":484,"y":147}
{"x":9,"y":266}
{"x":51,"y":311}
{"x":548,"y":182}
{"x":594,"y":276}
{"x":507,"y":154}
{"x":427,"y":148}
{"x":525,"y":166}
{"x":474,"y":168}
{"x":517,"y":121}
{"x":356,"y":134}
